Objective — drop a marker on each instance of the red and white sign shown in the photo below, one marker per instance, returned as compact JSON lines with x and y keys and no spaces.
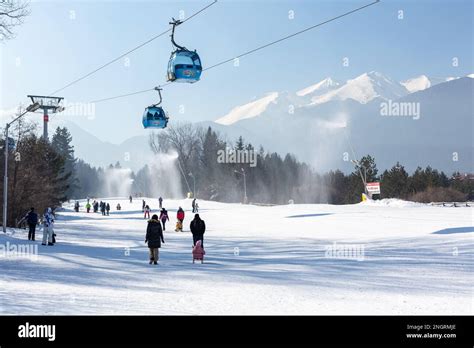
{"x":373,"y":188}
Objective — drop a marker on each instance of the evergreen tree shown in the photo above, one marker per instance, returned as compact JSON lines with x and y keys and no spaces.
{"x":394,"y":183}
{"x":61,"y":143}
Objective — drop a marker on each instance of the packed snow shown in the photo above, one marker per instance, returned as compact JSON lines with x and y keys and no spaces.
{"x":389,"y":257}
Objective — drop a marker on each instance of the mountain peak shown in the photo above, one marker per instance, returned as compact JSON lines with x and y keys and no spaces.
{"x":321,"y":87}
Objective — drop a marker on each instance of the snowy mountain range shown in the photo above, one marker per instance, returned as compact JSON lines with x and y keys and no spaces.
{"x":325,"y":123}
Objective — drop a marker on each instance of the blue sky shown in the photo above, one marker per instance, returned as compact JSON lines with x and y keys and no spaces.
{"x":52,"y":49}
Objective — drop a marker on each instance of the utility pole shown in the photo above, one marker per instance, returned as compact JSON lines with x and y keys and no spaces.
{"x":362,"y":176}
{"x":32,"y":108}
{"x":46,"y":104}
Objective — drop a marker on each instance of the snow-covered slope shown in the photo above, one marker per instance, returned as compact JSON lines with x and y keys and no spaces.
{"x":363,"y":89}
{"x":249,"y":110}
{"x":391,"y":259}
{"x":423,"y":82}
{"x":319,"y":88}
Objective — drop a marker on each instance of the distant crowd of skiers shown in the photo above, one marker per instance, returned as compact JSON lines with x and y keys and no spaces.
{"x":96,"y":206}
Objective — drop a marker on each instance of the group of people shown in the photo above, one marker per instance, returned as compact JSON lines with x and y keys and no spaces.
{"x":48,"y":218}
{"x":154,"y":236}
{"x":96,"y":206}
{"x":154,"y":233}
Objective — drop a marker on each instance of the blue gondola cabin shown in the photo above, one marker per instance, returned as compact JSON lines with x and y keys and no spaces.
{"x":155,"y":117}
{"x":184,"y":66}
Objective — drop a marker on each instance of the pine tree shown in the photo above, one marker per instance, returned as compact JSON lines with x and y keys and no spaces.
{"x":394,"y":183}
{"x":61,"y":143}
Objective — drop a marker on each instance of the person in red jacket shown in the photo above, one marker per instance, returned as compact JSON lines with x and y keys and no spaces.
{"x":180,"y":218}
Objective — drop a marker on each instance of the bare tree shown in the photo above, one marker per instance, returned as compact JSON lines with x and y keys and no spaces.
{"x":12,"y":14}
{"x":185,"y":139}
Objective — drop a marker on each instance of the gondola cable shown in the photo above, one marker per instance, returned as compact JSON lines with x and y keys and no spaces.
{"x":130,"y":51}
{"x":247,"y":52}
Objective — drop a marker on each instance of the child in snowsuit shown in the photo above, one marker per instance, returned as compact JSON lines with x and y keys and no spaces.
{"x":198,"y":252}
{"x":88,"y":207}
{"x":164,"y":217}
{"x":154,"y":238}
{"x":180,"y":218}
{"x":147,"y":211}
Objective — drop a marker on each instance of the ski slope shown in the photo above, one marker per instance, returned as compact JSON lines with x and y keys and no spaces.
{"x":417,"y":259}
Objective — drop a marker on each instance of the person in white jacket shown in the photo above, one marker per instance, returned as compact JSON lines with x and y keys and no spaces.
{"x":48,"y":224}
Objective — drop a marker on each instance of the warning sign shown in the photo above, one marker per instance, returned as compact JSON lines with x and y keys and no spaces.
{"x":373,"y":188}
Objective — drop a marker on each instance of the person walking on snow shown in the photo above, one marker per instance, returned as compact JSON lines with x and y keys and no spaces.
{"x":76,"y":206}
{"x":143,"y":205}
{"x":32,"y":221}
{"x":193,"y":204}
{"x":102,"y":208}
{"x":107,"y":208}
{"x":160,"y":200}
{"x":88,"y":207}
{"x":119,"y":207}
{"x":198,"y":227}
{"x":154,"y":238}
{"x":147,"y":211}
{"x":131,"y":198}
{"x":180,"y":218}
{"x":164,"y":217}
{"x":48,"y":230}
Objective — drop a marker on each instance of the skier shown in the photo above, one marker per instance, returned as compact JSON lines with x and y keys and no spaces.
{"x":32,"y":221}
{"x":48,"y":230}
{"x":160,"y":200}
{"x":107,"y":208}
{"x":193,"y":204}
{"x":143,"y":205}
{"x":131,"y":198}
{"x":164,"y":217}
{"x":154,"y":238}
{"x":180,"y":218}
{"x":102,"y":208}
{"x":88,"y":207}
{"x":147,"y":211}
{"x":119,"y":207}
{"x":198,"y":227}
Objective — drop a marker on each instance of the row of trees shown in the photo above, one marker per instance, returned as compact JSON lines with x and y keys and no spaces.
{"x":43,"y":174}
{"x":40,"y":172}
{"x":276,"y":179}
